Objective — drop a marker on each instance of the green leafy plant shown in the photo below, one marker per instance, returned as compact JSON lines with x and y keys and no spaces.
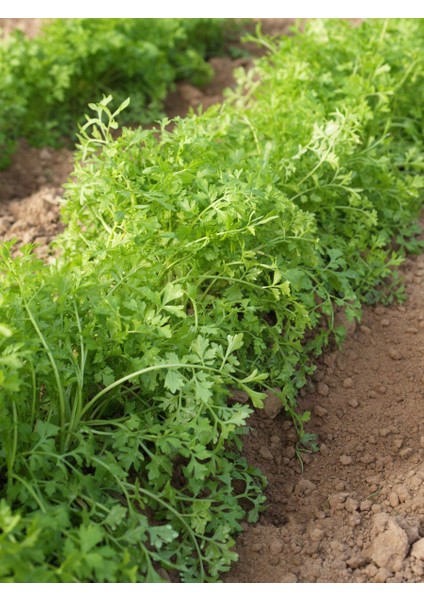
{"x":197,"y":263}
{"x":47,"y":82}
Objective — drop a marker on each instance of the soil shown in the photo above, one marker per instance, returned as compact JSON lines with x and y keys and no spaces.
{"x":354,"y":511}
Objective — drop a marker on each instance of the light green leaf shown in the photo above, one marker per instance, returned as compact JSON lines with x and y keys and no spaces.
{"x":174,"y":380}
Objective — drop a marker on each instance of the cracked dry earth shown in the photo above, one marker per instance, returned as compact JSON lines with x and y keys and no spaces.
{"x":355,"y":513}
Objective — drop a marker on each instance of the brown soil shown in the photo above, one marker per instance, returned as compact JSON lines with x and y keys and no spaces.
{"x":354,"y":512}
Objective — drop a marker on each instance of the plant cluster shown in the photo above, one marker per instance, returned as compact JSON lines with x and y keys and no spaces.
{"x":47,"y":82}
{"x":199,"y":269}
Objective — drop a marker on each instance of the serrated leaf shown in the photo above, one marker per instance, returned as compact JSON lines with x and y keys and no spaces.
{"x":257,"y":398}
{"x":235,"y":342}
{"x":116,"y":516}
{"x":89,"y":535}
{"x":174,"y":380}
{"x":199,"y":346}
{"x":176,"y":310}
{"x":171,"y":292}
{"x":162,"y":534}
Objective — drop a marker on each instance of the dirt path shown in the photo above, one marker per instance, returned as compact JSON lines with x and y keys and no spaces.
{"x":356,"y":512}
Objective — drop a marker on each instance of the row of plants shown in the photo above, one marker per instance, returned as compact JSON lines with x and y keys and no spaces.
{"x":198,"y":270}
{"x":46,"y":82}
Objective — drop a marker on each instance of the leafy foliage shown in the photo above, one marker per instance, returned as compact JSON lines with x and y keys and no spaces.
{"x":210,"y":259}
{"x":47,"y":82}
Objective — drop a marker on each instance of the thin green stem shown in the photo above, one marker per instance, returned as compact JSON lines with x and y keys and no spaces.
{"x":78,"y":402}
{"x":31,"y":491}
{"x":140,"y":372}
{"x":61,"y":395}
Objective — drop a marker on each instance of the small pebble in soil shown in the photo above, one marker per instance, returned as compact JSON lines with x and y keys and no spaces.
{"x":320,"y":514}
{"x":370,"y":570}
{"x":374,"y":481}
{"x":351,"y":504}
{"x":415,"y":483}
{"x":339,"y":485}
{"x":272,"y":406}
{"x":385,"y":322}
{"x":356,"y":561}
{"x":353,"y":402}
{"x":395,"y":354}
{"x":336,"y":501}
{"x":393,"y":499}
{"x":354,"y":520}
{"x":418,"y":550}
{"x":45,"y":155}
{"x":323,"y":389}
{"x":288,"y":578}
{"x":316,"y":534}
{"x":365,"y":329}
{"x":265,"y":453}
{"x":382,"y":575}
{"x":320,"y":411}
{"x":323,"y":448}
{"x":329,"y":360}
{"x":304,"y":487}
{"x":341,"y":362}
{"x":367,"y":458}
{"x":348,"y":383}
{"x":365,"y":505}
{"x":276,"y":547}
{"x":345,"y":459}
{"x":389,"y":548}
{"x":306,"y":458}
{"x":418,"y":570}
{"x":308,"y":389}
{"x":406,"y":452}
{"x":379,"y":310}
{"x":289,"y":452}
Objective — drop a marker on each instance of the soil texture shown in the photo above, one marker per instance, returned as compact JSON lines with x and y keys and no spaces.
{"x":354,"y":511}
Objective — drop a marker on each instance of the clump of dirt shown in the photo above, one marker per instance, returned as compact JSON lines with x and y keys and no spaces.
{"x":30,"y":193}
{"x":354,"y":512}
{"x":34,"y":219}
{"x":33,"y":169}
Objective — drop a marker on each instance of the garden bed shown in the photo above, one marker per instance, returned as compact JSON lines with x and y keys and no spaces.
{"x":351,"y":512}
